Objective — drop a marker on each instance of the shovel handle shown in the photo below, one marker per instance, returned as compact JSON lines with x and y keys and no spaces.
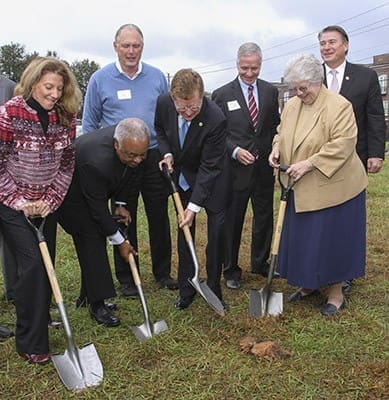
{"x":50,"y":272}
{"x":278,"y":229}
{"x":134,"y":269}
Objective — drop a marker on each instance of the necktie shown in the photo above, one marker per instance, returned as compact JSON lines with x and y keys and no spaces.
{"x":183,"y":131}
{"x":253,"y":107}
{"x":334,"y":84}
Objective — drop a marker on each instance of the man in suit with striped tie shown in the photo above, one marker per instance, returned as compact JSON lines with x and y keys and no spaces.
{"x":251,"y":108}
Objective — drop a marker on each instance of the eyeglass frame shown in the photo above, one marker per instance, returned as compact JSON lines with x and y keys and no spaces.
{"x":192,"y":107}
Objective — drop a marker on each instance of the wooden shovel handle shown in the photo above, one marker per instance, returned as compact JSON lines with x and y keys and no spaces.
{"x":134,"y":269}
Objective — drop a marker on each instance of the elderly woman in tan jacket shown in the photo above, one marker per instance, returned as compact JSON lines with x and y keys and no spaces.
{"x":324,"y":233}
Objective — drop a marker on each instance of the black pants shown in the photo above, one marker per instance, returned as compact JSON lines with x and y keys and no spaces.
{"x":32,"y":292}
{"x":154,"y":189}
{"x":261,"y":195}
{"x":214,"y":252}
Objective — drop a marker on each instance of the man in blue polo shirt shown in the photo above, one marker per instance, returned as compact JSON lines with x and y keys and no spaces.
{"x":129,"y":88}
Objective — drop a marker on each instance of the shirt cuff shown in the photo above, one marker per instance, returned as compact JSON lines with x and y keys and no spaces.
{"x":234,"y":152}
{"x":194,"y":207}
{"x":116,"y":239}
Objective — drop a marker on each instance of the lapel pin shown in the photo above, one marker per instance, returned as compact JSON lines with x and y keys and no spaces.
{"x":200,"y":124}
{"x":347,"y":78}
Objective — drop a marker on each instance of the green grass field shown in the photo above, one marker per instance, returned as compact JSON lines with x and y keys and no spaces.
{"x":199,"y":357}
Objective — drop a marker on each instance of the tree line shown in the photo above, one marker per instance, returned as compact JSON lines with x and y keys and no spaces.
{"x":14,"y":59}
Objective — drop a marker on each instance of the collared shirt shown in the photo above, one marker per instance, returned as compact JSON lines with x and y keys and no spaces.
{"x":339,"y":75}
{"x":119,"y":67}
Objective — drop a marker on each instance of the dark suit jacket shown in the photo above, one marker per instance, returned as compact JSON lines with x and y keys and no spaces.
{"x":203,"y":158}
{"x":360,"y":86}
{"x":6,"y":89}
{"x":99,"y":176}
{"x":240,"y":131}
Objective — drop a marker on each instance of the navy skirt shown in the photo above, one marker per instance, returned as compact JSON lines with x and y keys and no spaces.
{"x":323,"y":247}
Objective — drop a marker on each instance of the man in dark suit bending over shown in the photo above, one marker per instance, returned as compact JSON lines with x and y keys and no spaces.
{"x":191,"y":137}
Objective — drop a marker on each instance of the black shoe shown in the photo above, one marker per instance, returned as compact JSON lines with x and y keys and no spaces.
{"x":103,"y":315}
{"x":233,"y":284}
{"x":84,"y":302}
{"x":5,"y":333}
{"x":183,"y":302}
{"x":331,"y":309}
{"x":129,"y":291}
{"x":54,"y":324}
{"x":264,"y":271}
{"x":299,"y":295}
{"x":346,"y":285}
{"x":168,"y":283}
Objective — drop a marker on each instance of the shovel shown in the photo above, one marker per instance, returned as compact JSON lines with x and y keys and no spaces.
{"x":77,"y":368}
{"x":147,"y":329}
{"x":264,"y":301}
{"x":201,"y":287}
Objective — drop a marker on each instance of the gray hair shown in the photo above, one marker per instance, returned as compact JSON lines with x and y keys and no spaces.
{"x":131,"y":128}
{"x":129,"y":27}
{"x":248,"y":49}
{"x":304,"y":67}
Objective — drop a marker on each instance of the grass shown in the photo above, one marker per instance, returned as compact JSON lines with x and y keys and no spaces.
{"x":199,"y":358}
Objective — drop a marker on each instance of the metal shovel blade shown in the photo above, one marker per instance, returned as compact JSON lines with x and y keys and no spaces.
{"x":209,"y":296}
{"x":148,"y":329}
{"x":67,"y":366}
{"x":263,"y":302}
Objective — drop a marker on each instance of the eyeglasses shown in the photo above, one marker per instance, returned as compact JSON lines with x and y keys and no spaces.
{"x":301,"y":89}
{"x":191,"y":107}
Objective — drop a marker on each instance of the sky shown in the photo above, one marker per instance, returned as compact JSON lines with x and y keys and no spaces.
{"x":201,"y":34}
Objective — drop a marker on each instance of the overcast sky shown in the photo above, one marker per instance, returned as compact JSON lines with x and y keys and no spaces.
{"x":202,"y":34}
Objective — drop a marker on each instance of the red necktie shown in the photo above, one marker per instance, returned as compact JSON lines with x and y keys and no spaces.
{"x":253,"y":107}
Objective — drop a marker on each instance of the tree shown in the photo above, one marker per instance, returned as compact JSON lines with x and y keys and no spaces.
{"x":82,"y":71}
{"x":14,"y":59}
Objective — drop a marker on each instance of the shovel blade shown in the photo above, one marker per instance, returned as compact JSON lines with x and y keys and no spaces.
{"x":209,"y":296}
{"x":260,"y":298}
{"x":148,"y":330}
{"x":80,"y":368}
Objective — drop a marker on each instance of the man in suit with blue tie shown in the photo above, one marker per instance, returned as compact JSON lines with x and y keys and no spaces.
{"x":200,"y":169}
{"x":360,"y":86}
{"x":251,"y":108}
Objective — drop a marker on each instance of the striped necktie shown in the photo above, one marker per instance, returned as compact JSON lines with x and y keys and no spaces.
{"x":253,"y":107}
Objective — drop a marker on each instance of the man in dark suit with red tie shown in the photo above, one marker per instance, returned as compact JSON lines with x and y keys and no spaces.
{"x":200,"y":170}
{"x":250,"y":130}
{"x":359,"y":85}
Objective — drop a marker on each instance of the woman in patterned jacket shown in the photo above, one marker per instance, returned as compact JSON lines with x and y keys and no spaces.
{"x":37,"y":132}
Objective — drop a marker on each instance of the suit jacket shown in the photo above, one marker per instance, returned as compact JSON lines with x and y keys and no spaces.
{"x":325,"y":133}
{"x":202,"y":160}
{"x":360,"y":86}
{"x":98,"y":177}
{"x":6,"y":89}
{"x":240,"y":131}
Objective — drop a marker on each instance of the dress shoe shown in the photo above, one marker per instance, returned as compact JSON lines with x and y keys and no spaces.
{"x":129,"y":291}
{"x":331,"y":309}
{"x":103,"y":315}
{"x":84,"y":302}
{"x":5,"y":333}
{"x":299,"y":295}
{"x":168,"y":283}
{"x":346,"y":285}
{"x":36,"y":358}
{"x":183,"y":302}
{"x":54,"y":324}
{"x":233,"y":284}
{"x":264,"y":271}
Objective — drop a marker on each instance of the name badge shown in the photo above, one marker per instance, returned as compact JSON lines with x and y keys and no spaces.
{"x":124,"y":94}
{"x":233,"y":105}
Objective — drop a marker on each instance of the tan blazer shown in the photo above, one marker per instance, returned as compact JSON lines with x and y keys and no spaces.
{"x":326,"y":136}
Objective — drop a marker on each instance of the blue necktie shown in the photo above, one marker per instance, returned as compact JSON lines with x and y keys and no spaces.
{"x":183,"y":131}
